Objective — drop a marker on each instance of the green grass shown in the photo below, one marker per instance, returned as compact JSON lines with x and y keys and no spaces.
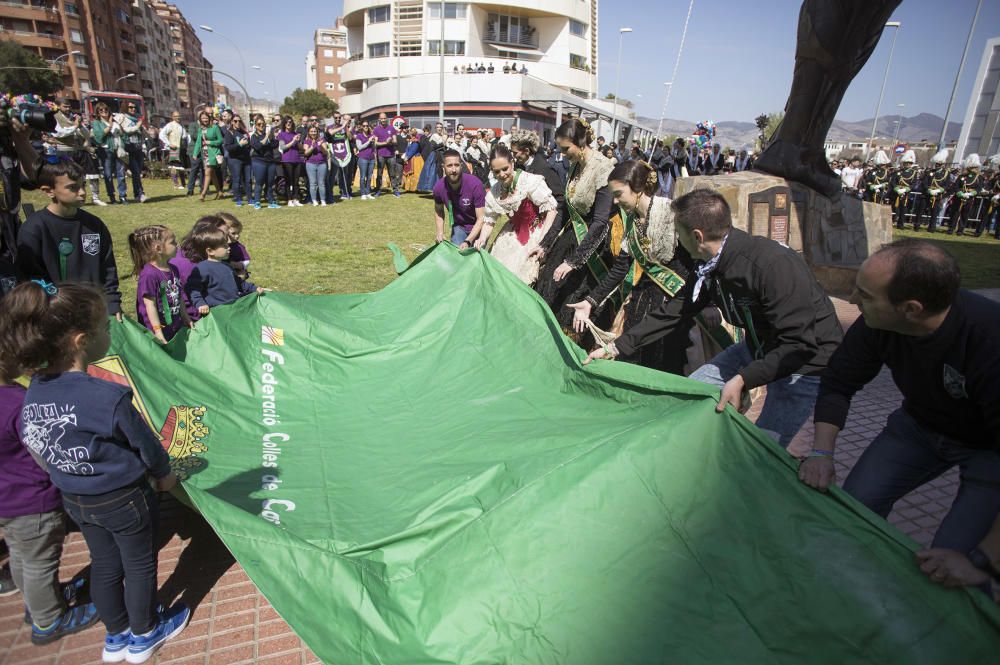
{"x":337,"y":249}
{"x":978,"y":258}
{"x":342,"y":248}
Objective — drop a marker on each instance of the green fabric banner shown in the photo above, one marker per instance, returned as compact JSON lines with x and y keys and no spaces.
{"x":427,"y":474}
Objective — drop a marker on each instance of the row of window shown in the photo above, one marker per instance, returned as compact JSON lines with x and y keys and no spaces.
{"x":457,"y":10}
{"x":328,"y":53}
{"x":454,"y":47}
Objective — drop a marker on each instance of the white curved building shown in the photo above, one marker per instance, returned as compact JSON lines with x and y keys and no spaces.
{"x":395,"y":61}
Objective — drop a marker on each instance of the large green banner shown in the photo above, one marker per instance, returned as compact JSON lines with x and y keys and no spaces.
{"x":427,"y":474}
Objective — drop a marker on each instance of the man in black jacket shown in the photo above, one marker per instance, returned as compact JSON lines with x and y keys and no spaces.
{"x":790,"y":326}
{"x":939,"y":342}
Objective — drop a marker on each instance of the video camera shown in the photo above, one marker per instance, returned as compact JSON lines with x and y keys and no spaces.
{"x":31,"y":113}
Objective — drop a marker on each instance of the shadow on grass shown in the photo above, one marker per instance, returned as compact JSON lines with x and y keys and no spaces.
{"x":978,"y":258}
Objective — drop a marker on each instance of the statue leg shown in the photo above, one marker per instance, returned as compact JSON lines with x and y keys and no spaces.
{"x":834,"y":42}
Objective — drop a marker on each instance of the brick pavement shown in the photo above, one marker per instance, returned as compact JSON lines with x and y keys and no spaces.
{"x":234,"y":624}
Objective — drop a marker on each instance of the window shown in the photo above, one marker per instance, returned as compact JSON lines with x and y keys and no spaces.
{"x":577,"y":61}
{"x":510,"y":30}
{"x":379,"y":14}
{"x":76,"y":36}
{"x":80,"y":60}
{"x":328,"y":69}
{"x":451,"y":10}
{"x":330,"y":86}
{"x":328,"y":53}
{"x":380,"y":50}
{"x":124,"y":17}
{"x":84,"y":84}
{"x":451,"y":47}
{"x":341,"y":54}
{"x":72,"y":9}
{"x":577,"y":28}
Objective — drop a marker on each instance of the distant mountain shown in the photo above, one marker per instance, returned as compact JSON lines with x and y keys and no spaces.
{"x":734,"y":133}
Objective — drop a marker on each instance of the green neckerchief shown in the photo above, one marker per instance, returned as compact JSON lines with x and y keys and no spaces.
{"x":65,"y":249}
{"x":168,"y":317}
{"x":594,"y":263}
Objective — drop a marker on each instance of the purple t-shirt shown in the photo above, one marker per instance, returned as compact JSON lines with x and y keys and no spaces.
{"x":25,"y":487}
{"x":470,"y":195}
{"x":317,"y":156}
{"x":156,"y":284}
{"x":384,"y":134}
{"x":368,"y":152}
{"x":184,"y":267}
{"x":290,"y":155}
{"x":237,"y":252}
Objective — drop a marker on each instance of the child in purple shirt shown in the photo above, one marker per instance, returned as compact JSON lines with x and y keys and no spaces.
{"x":159,"y":303}
{"x":239,"y":256}
{"x":186,"y":258}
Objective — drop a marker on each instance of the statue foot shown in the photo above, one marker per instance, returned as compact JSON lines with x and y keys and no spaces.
{"x":799,"y":164}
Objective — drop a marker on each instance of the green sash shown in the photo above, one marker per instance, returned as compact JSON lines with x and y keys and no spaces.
{"x":594,"y":263}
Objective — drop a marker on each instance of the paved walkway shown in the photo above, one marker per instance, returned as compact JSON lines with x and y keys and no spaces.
{"x":233,"y":623}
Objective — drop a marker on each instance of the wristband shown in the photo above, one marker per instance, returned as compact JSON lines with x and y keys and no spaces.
{"x":815,"y":452}
{"x":157,"y":327}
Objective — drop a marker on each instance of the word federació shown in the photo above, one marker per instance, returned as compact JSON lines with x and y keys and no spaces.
{"x":271,"y":442}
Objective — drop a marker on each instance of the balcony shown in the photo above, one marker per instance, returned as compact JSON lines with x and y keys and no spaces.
{"x":27,"y":38}
{"x":19,"y":10}
{"x":523,"y":36}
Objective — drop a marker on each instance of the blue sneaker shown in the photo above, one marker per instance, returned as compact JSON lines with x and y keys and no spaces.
{"x":273,"y":206}
{"x":116,"y":647}
{"x":171,"y":622}
{"x":72,"y":621}
{"x":396,"y":194}
{"x":256,"y":206}
{"x":239,"y":204}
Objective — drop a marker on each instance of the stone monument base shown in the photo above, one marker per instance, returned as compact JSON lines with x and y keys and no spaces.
{"x":834,"y":236}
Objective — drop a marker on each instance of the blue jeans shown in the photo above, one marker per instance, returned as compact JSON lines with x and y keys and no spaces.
{"x":366,"y":166}
{"x":316,"y":173}
{"x":263,"y":176}
{"x":906,"y":455}
{"x":789,"y":402}
{"x":114,"y":170}
{"x":240,"y":172}
{"x":120,"y":530}
{"x":135,"y":159}
{"x":458,"y":234}
{"x":196,"y":174}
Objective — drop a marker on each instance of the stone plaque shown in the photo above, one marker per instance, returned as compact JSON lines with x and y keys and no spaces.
{"x":770,"y":213}
{"x":758,"y":221}
{"x":779,"y":229}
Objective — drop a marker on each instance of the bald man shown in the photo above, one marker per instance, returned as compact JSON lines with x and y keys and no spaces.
{"x":939,"y":342}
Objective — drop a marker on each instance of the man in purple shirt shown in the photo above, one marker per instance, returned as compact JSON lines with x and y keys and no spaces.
{"x":385,"y":142}
{"x":460,"y":198}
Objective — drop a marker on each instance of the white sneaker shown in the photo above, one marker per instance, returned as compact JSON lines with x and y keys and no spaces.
{"x":99,"y":202}
{"x":316,"y":204}
{"x":291,"y":204}
{"x":322,"y":204}
{"x":364,"y":197}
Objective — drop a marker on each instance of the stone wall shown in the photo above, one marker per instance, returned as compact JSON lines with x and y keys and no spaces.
{"x":834,"y":237}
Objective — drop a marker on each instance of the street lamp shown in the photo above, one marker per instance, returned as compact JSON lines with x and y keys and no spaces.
{"x":618,"y":80}
{"x":899,"y":122}
{"x":66,"y":55}
{"x":122,"y":78}
{"x":663,"y":113}
{"x":878,"y":107}
{"x":274,"y":82}
{"x":208,"y":28}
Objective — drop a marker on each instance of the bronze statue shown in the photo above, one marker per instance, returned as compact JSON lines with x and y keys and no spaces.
{"x":834,"y":41}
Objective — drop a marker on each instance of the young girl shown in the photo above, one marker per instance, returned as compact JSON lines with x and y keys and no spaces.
{"x":239,"y":257}
{"x":98,"y":451}
{"x":159,"y":303}
{"x":212,"y":281}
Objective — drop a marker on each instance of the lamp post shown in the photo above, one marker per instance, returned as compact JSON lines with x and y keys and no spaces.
{"x":274,"y":81}
{"x":878,"y":107}
{"x":122,"y":78}
{"x":208,"y":28}
{"x":663,"y":113}
{"x":618,"y":81}
{"x":899,"y":121}
{"x":66,"y":55}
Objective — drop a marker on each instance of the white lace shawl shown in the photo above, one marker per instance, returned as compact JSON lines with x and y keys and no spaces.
{"x":593,"y":176}
{"x":528,"y":185}
{"x":660,"y":231}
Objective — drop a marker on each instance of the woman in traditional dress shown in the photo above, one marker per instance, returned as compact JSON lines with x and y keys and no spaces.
{"x":530,"y":208}
{"x":575,"y":252}
{"x":173,"y":136}
{"x":428,"y":150}
{"x":650,"y":268}
{"x":412,"y":162}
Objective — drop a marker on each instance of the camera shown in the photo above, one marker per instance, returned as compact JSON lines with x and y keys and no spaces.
{"x":36,"y":116}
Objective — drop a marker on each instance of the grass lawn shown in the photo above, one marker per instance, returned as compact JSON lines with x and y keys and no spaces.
{"x":337,"y":249}
{"x":342,"y":248}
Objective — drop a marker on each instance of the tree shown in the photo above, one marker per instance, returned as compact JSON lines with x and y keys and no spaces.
{"x":308,"y":102}
{"x":767,"y":123}
{"x":23,"y":81}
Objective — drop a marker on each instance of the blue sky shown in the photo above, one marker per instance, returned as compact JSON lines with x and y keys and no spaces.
{"x":737,"y":59}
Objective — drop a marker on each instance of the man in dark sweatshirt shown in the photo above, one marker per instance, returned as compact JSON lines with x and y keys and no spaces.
{"x":766,"y":289}
{"x":939,"y":342}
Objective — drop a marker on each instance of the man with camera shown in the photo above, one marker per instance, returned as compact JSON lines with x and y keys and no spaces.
{"x":19,"y":164}
{"x":71,"y":142}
